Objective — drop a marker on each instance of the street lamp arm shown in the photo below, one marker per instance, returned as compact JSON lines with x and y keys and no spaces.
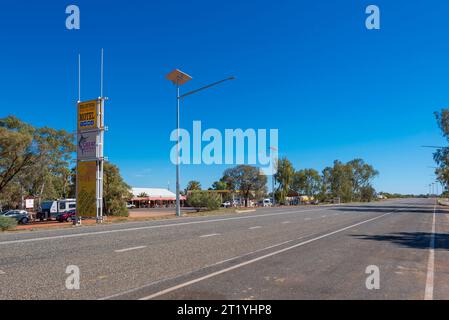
{"x":205,"y":87}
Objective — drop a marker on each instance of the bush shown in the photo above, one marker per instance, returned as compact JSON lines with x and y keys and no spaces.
{"x":212,"y":201}
{"x":204,"y":199}
{"x":7,"y":223}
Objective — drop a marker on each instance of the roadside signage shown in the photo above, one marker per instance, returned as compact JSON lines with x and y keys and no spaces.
{"x":87,"y":189}
{"x":87,"y":115}
{"x":29,"y":203}
{"x":87,"y":145}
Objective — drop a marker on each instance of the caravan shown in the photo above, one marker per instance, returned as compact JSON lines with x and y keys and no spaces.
{"x":51,"y":209}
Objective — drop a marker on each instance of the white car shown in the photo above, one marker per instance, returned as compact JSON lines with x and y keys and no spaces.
{"x":130,"y":206}
{"x":267,"y":203}
{"x":226,"y":204}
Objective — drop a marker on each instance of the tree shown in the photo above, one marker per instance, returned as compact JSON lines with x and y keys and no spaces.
{"x":362,"y":175}
{"x":248,"y":180}
{"x":441,"y":156}
{"x":142,"y":195}
{"x":219,"y":185}
{"x":115,"y":191}
{"x":284,"y":177}
{"x":193,"y":185}
{"x":307,"y":182}
{"x":367,"y":193}
{"x":341,"y":181}
{"x":35,"y":159}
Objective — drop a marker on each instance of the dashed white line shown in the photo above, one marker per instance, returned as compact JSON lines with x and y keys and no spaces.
{"x":428,"y":294}
{"x":286,"y":222}
{"x":210,"y":235}
{"x":256,"y":227}
{"x":188,"y":283}
{"x":130,"y":249}
{"x":94,"y":233}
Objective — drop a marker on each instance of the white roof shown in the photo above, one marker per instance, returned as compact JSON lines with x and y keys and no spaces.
{"x":153,"y":192}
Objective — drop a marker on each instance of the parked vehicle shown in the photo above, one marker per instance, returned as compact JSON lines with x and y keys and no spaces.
{"x":130,"y":206}
{"x":21,"y":216}
{"x":267,"y":203}
{"x":226,"y":204}
{"x":51,"y":209}
{"x":66,"y":216}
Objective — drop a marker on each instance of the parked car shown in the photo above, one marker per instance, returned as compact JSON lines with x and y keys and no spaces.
{"x":226,"y":204}
{"x":66,"y":216}
{"x":267,"y":203}
{"x":21,"y":216}
{"x":130,"y":206}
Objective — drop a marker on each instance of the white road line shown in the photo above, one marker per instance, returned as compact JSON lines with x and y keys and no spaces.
{"x":188,"y":283}
{"x":207,"y":266}
{"x":255,"y":227}
{"x":428,"y":294}
{"x":210,"y":235}
{"x":286,"y":222}
{"x":76,"y":235}
{"x":2,"y":272}
{"x":129,"y":249}
{"x":307,"y":219}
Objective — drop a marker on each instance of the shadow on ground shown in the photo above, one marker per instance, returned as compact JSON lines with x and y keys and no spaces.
{"x":416,"y":240}
{"x":385,"y":209}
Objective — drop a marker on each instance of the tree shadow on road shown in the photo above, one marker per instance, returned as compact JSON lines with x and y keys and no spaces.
{"x":416,"y":240}
{"x":385,"y":210}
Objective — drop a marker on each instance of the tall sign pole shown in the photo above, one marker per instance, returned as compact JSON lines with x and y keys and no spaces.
{"x":90,"y":155}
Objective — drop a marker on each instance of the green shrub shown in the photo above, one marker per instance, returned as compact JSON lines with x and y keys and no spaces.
{"x":204,"y":199}
{"x":212,"y":201}
{"x":7,"y":223}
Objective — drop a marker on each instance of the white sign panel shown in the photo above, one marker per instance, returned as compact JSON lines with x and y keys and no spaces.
{"x":87,"y":145}
{"x":29,"y":203}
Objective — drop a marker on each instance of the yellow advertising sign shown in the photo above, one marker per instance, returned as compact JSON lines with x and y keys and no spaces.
{"x":87,"y":115}
{"x":87,"y":186}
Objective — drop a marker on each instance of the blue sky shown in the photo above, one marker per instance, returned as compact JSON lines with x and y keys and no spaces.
{"x":334,"y":89}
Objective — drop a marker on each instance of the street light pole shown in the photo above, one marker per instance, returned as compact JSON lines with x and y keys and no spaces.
{"x":179,"y":78}
{"x":178,"y":202}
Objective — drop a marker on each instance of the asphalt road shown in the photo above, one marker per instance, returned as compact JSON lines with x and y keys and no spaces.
{"x":281,"y":253}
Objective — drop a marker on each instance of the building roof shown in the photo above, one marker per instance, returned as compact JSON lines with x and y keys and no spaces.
{"x":153,"y":192}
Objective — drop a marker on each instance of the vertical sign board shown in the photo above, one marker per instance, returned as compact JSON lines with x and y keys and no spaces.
{"x":89,"y":159}
{"x":87,"y":193}
{"x":87,"y":115}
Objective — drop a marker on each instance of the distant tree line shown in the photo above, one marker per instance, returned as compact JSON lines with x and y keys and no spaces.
{"x":441,"y":156}
{"x":351,"y":181}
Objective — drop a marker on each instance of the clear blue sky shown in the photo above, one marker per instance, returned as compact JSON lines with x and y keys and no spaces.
{"x":308,"y":68}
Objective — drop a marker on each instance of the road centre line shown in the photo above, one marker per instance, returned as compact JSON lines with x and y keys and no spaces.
{"x":153,"y":227}
{"x":129,"y":249}
{"x":209,"y":235}
{"x":255,"y":227}
{"x":188,"y":283}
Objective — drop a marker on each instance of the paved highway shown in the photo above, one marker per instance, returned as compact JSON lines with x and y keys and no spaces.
{"x":279,"y":253}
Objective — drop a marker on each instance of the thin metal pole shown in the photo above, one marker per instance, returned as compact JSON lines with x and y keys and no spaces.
{"x":102,"y":73}
{"x":79,"y":77}
{"x":178,"y":204}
